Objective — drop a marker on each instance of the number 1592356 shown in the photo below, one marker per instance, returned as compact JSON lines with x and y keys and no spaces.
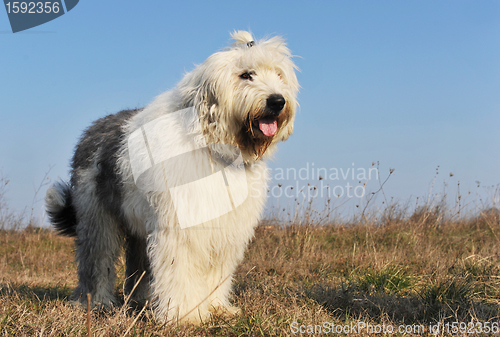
{"x":32,"y":7}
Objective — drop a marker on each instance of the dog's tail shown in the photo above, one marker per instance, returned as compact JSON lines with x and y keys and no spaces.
{"x":60,"y":208}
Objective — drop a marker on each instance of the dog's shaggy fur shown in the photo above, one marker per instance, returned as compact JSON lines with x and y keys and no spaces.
{"x":245,"y":97}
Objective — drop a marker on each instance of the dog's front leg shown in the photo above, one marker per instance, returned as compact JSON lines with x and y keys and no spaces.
{"x":179,"y":287}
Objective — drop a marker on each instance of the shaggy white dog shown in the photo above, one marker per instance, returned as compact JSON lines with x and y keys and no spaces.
{"x":180,"y":183}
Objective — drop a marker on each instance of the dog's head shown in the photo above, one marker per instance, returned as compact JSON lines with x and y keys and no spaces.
{"x":245,"y":95}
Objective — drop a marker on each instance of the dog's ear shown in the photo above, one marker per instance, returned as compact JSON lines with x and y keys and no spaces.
{"x":205,"y":101}
{"x":242,"y":37}
{"x":202,"y":90}
{"x":197,"y":90}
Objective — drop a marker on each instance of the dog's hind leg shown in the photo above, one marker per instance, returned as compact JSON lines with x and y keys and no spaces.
{"x":137,"y":264}
{"x":98,"y":246}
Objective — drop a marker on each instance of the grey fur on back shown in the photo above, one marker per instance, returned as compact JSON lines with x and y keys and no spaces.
{"x":100,"y":146}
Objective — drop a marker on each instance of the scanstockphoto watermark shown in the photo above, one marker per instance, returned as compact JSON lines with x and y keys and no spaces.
{"x":471,"y":328}
{"x":355,"y":328}
{"x":333,"y":182}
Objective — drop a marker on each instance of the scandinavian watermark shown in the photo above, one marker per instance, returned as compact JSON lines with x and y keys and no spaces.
{"x":206,"y":181}
{"x":310,"y":182}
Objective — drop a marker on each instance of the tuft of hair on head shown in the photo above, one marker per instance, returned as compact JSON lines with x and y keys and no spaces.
{"x":242,"y":37}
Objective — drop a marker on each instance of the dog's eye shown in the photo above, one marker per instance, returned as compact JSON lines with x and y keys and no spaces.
{"x":246,"y":76}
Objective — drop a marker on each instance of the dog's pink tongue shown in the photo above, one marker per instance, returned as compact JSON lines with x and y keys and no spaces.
{"x":268,"y":126}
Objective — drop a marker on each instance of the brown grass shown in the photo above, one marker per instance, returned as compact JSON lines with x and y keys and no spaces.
{"x":419,"y":270}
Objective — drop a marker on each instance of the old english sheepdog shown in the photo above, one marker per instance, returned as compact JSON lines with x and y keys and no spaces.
{"x":181,"y":183}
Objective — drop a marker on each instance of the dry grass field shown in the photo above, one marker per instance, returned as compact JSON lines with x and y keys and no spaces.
{"x":424,"y":274}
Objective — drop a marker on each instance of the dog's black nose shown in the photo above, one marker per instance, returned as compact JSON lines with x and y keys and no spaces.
{"x":275,"y":103}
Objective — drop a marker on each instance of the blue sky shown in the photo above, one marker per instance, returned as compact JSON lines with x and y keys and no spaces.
{"x":412,"y":85}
